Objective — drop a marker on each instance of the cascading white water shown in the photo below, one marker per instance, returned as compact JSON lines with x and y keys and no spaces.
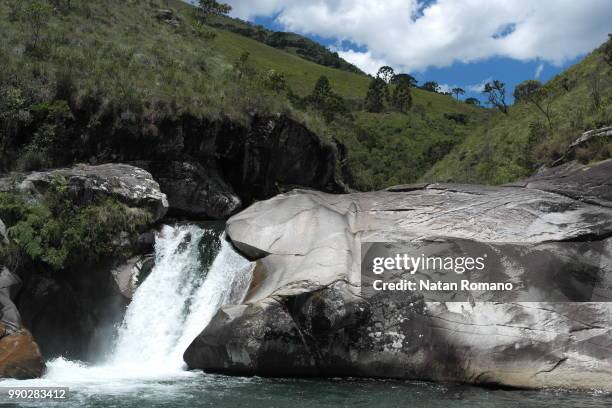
{"x":177,"y":299}
{"x":169,"y":309}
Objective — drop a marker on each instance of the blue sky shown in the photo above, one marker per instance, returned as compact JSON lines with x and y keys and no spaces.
{"x":468,"y":76}
{"x":455,"y":43}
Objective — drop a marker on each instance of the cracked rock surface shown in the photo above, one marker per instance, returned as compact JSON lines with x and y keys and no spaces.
{"x":128,"y":184}
{"x":305,"y":315}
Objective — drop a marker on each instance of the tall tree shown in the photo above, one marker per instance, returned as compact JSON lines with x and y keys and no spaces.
{"x":496,"y":94}
{"x":404,"y":78}
{"x":325,"y":100}
{"x":533,"y":92}
{"x":385,"y":73}
{"x":607,"y":50}
{"x":375,"y":96}
{"x":458,"y":91}
{"x":322,"y":89}
{"x":431,"y":86}
{"x":402,"y":97}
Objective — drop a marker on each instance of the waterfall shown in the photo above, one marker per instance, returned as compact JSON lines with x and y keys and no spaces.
{"x":170,"y":308}
{"x":178,"y":299}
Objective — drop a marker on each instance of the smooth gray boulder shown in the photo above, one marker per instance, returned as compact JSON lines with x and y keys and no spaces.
{"x":128,"y":184}
{"x":590,"y":183}
{"x":10,"y":284}
{"x":131,"y":273}
{"x":305,"y":313}
{"x":3,"y":236}
{"x":20,"y":356}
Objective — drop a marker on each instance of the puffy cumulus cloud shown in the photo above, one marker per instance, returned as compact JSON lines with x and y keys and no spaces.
{"x":479,"y":87}
{"x":247,"y":9}
{"x":412,"y":37}
{"x":364,"y":60}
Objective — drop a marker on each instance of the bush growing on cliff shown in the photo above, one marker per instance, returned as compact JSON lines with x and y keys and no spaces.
{"x":59,"y":232}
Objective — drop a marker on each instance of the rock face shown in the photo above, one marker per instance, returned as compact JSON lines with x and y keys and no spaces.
{"x":128,"y":184}
{"x":601,"y":135}
{"x":276,"y":155}
{"x":194,"y":191}
{"x":3,"y":237}
{"x":208,"y":168}
{"x":305,"y":313}
{"x":589,"y":183}
{"x":19,"y":355}
{"x":128,"y":275}
{"x":10,"y":284}
{"x":72,"y":312}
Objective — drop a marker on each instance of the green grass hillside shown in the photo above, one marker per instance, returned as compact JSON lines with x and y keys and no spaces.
{"x":125,"y":60}
{"x":508,"y":147}
{"x":77,"y":69}
{"x":290,"y":42}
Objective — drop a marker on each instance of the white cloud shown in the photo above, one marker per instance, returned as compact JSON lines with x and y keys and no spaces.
{"x":447,"y":87}
{"x":479,"y":87}
{"x":538,"y":70}
{"x":448,"y":31}
{"x":363,"y":60}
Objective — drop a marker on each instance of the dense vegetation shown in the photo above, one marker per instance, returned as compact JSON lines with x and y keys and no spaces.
{"x":83,"y":73}
{"x":80,"y":73}
{"x":58,"y":231}
{"x":538,"y":128}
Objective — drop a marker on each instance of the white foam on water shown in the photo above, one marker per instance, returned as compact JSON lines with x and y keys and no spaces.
{"x":169,"y":309}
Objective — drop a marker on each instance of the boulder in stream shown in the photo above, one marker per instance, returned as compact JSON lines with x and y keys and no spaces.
{"x":305,"y":313}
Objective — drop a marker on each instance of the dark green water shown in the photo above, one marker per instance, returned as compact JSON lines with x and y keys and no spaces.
{"x":200,"y":390}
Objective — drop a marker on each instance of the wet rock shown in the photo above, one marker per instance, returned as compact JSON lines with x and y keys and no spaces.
{"x":10,"y":284}
{"x":19,"y":354}
{"x":3,"y":236}
{"x":71,"y":313}
{"x":308,"y":248}
{"x":20,"y":357}
{"x":130,"y":274}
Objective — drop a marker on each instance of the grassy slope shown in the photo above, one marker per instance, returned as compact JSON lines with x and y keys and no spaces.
{"x":120,"y":52}
{"x":289,"y":42}
{"x":131,"y":62}
{"x":509,"y":147}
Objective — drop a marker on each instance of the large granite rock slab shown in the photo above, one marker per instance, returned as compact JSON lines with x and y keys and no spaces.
{"x":591,"y":183}
{"x":305,"y":313}
{"x":130,"y":185}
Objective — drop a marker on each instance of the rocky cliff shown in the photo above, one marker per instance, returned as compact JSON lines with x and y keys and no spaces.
{"x":105,"y":215}
{"x":207,"y":168}
{"x":305,"y":313}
